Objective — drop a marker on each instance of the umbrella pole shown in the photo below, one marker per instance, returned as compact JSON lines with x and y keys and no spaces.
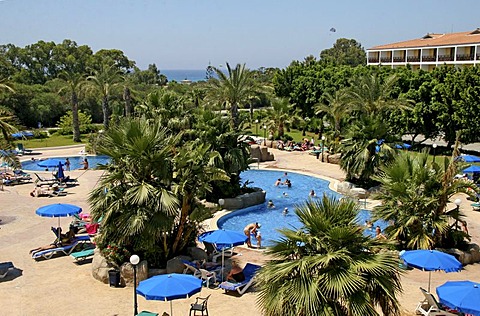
{"x":223,"y":260}
{"x":171,"y":309}
{"x":429,"y":279}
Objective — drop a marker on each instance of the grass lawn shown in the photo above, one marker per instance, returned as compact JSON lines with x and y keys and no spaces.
{"x":52,"y":141}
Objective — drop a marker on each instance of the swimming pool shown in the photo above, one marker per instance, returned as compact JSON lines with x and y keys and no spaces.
{"x":272,"y":219}
{"x":75,"y":162}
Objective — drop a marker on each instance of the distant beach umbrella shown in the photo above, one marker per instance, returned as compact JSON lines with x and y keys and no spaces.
{"x":50,"y":163}
{"x":468,"y":158}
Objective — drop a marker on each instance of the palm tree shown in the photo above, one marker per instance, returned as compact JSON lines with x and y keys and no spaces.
{"x":195,"y":168}
{"x":328,"y":267}
{"x":105,"y":81}
{"x":6,"y":129}
{"x":279,"y":116}
{"x":414,"y":196}
{"x":234,"y":89}
{"x":371,"y":96}
{"x":336,"y":109}
{"x":72,"y":84}
{"x":134,"y":195}
{"x":367,"y":145}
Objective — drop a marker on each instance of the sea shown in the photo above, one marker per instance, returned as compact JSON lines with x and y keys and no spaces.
{"x":181,"y":74}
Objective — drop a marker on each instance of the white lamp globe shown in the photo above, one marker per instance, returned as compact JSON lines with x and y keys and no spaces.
{"x":134,"y":259}
{"x":457,"y":202}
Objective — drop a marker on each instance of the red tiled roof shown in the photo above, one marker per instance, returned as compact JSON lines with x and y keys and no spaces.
{"x":470,"y":37}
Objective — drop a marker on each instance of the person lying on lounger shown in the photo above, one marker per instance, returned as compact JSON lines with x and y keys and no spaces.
{"x":236,"y":273}
{"x":63,"y":240}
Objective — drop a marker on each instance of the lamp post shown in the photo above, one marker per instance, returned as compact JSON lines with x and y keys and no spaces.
{"x":264,"y":135}
{"x":457,"y":203}
{"x":256,"y":127}
{"x":134,"y":260}
{"x":434,"y":147}
{"x":323,"y":140}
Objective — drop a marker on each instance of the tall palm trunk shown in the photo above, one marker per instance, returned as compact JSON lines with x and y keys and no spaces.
{"x":127,"y":97}
{"x":105,"y":111}
{"x":186,"y":207}
{"x":76,"y":124}
{"x":234,"y":113}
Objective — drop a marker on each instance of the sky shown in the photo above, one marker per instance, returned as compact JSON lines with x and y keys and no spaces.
{"x":190,"y":34}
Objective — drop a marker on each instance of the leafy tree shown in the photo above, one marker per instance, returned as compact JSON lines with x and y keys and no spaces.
{"x":414,"y":194}
{"x":234,"y":89}
{"x":345,"y":52}
{"x":328,"y":267}
{"x":84,"y":123}
{"x":336,"y":110}
{"x":105,"y":81}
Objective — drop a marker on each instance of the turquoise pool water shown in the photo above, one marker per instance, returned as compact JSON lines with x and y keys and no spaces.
{"x":75,"y":162}
{"x":272,"y":219}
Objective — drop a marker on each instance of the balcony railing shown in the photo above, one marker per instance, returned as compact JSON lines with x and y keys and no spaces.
{"x":429,"y":58}
{"x":398,"y":59}
{"x":445,"y":57}
{"x":464,"y":57}
{"x":373,"y":60}
{"x":413,"y":59}
{"x":386,"y":59}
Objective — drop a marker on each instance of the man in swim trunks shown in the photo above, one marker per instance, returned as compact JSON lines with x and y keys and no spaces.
{"x":251,"y":229}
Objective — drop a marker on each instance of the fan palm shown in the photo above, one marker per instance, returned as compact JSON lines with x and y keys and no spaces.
{"x":134,"y":194}
{"x":328,"y":267}
{"x":414,"y":198}
{"x":336,"y":109}
{"x":279,"y":116}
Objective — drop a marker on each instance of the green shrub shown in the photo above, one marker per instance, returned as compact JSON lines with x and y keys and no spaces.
{"x":66,"y":122}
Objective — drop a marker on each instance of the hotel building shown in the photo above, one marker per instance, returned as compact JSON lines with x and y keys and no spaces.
{"x":433,"y":50}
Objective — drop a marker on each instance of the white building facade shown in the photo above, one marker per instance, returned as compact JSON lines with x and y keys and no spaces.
{"x":431,"y":51}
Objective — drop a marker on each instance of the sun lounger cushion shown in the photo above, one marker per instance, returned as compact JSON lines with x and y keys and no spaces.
{"x":146,"y":313}
{"x":82,"y":255}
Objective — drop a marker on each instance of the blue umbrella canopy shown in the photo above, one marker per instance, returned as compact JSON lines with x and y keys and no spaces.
{"x":168,"y":287}
{"x":472,"y":169}
{"x":50,"y":163}
{"x":403,"y":146}
{"x":58,"y":210}
{"x":223,"y":237}
{"x":463,"y":296}
{"x":468,"y":158}
{"x":431,"y":260}
{"x":22,"y":134}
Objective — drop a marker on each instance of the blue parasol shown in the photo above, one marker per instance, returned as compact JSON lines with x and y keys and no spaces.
{"x":431,"y":260}
{"x":463,"y":296}
{"x":22,"y":134}
{"x":58,"y":210}
{"x":169,"y":287}
{"x":472,"y":169}
{"x":223,"y":239}
{"x":60,"y":174}
{"x":468,"y":158}
{"x":50,"y":163}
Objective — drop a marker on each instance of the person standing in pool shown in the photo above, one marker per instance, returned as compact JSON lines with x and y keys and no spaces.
{"x":251,"y":229}
{"x":85,"y":164}
{"x":67,"y":164}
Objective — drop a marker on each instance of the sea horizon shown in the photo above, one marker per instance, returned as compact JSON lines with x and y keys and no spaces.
{"x":178,"y":75}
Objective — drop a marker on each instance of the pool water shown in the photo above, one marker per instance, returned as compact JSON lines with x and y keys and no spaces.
{"x":75,"y":162}
{"x":272,"y":219}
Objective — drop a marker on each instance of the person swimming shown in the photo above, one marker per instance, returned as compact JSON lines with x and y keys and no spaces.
{"x":278,"y":182}
{"x":285,"y":211}
{"x":312,"y":193}
{"x":270,"y":204}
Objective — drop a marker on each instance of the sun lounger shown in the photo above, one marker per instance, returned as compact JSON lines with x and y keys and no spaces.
{"x":66,"y":250}
{"x":4,"y":268}
{"x":43,"y":181}
{"x":241,"y":287}
{"x":83,"y":254}
{"x":215,"y":251}
{"x":147,"y":313}
{"x":430,"y":307}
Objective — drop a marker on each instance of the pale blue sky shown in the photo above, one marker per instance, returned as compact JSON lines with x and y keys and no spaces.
{"x":187,"y":34}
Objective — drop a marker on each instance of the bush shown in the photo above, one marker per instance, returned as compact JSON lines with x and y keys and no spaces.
{"x":115,"y":254}
{"x":66,"y":122}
